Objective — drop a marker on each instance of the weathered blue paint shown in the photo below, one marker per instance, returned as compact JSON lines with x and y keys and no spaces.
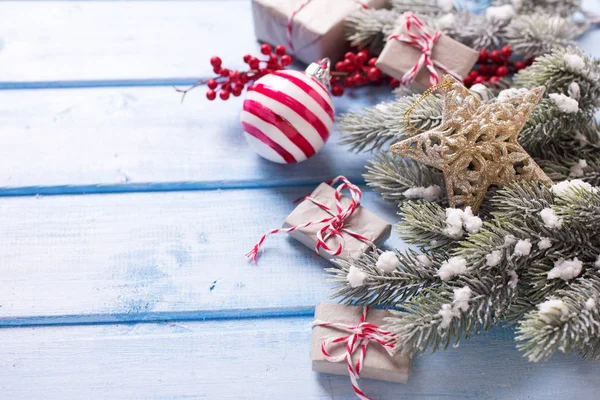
{"x":126,"y":277}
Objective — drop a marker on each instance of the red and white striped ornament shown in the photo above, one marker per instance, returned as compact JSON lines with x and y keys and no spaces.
{"x":287,"y":115}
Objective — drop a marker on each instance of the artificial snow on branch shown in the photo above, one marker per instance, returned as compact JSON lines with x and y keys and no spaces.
{"x":531,"y":27}
{"x":372,"y":128}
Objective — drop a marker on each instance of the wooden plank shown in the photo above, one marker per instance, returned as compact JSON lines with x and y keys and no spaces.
{"x":259,"y":359}
{"x":50,"y":41}
{"x":120,"y":139}
{"x":156,"y":256}
{"x":140,"y":42}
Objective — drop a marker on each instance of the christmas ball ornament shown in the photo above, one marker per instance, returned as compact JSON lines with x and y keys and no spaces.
{"x":287,"y":115}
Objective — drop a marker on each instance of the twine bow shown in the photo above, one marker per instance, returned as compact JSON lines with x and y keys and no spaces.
{"x":417,"y":35}
{"x":334,"y":224}
{"x":296,"y":11}
{"x":360,"y":337}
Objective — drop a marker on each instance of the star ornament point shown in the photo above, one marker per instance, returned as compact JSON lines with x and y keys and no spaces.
{"x":476,"y":145}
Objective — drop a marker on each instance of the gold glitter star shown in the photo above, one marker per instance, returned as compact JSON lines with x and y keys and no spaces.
{"x":476,"y":144}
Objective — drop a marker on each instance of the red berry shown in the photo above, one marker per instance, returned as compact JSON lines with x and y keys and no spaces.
{"x":340,"y":66}
{"x":468,"y":80}
{"x":234,"y":75}
{"x":496,"y":57}
{"x":493,"y":69}
{"x":479,"y":79}
{"x":519,"y":65}
{"x":280,"y":49}
{"x":224,"y":72}
{"x":348,"y":82}
{"x":215,"y":61}
{"x":474,"y":74}
{"x":273,"y":58}
{"x":529,"y":61}
{"x":224,"y":94}
{"x":374,"y":73}
{"x":494,"y":80}
{"x":244,"y":78}
{"x":506,"y":51}
{"x":286,"y":60}
{"x":372,"y":61}
{"x":483,"y":55}
{"x":337,"y":91}
{"x":247,"y":58}
{"x":217,"y":70}
{"x":362,"y":58}
{"x":484,"y":69}
{"x":502,"y":71}
{"x":349,"y":66}
{"x":394,"y":82}
{"x":211,"y":94}
{"x":334,"y":81}
{"x":237,"y":91}
{"x":349,"y":56}
{"x":254,"y":63}
{"x":212,"y":84}
{"x":265,"y":49}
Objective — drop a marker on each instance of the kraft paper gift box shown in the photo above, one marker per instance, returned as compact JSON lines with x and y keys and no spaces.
{"x":317,"y":29}
{"x":378,"y":364}
{"x":362,"y":221}
{"x":399,"y":57}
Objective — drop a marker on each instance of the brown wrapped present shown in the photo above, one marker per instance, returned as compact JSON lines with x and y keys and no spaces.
{"x":415,"y":60}
{"x":334,"y":328}
{"x":334,"y":225}
{"x":362,"y":222}
{"x":317,"y":27}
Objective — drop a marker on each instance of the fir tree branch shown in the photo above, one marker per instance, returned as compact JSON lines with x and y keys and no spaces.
{"x":581,"y":208}
{"x":392,"y":176}
{"x":473,"y":30}
{"x":591,"y":350}
{"x":554,"y":72}
{"x":563,"y":8}
{"x":542,"y":333}
{"x":374,"y":127}
{"x":548,"y":125}
{"x":419,"y":328}
{"x":560,"y":167}
{"x":369,"y":28}
{"x":424,"y":224}
{"x":388,"y":290}
{"x":537,"y":34}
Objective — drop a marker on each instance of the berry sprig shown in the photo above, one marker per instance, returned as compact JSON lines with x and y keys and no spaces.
{"x":494,"y":65}
{"x":357,"y":69}
{"x":231,"y":82}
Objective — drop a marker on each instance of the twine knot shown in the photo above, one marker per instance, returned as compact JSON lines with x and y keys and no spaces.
{"x":360,"y":337}
{"x":335,"y":224}
{"x":417,"y":35}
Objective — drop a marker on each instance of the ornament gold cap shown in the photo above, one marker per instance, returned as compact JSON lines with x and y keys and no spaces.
{"x":320,"y":71}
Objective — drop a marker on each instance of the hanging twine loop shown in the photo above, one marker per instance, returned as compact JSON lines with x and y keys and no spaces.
{"x":289,"y":26}
{"x":408,"y":125}
{"x":417,"y":35}
{"x":334,"y":224}
{"x":359,"y":338}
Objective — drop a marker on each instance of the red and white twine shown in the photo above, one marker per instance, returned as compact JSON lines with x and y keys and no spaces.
{"x":416,"y":34}
{"x":360,"y":337}
{"x":334,"y":224}
{"x":296,"y":11}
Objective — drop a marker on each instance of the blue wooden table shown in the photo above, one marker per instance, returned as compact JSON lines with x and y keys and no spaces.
{"x":125,"y":216}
